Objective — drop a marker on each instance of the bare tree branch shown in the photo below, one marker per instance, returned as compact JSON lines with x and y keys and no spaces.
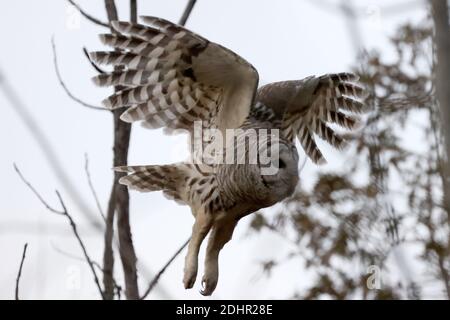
{"x":83,"y":247}
{"x":111,"y":10}
{"x":36,"y":193}
{"x":93,"y":64}
{"x":126,"y":248}
{"x":445,"y":275}
{"x":43,"y":142}
{"x":133,"y":11}
{"x":163,"y":269}
{"x":20,"y":270}
{"x":91,"y":186}
{"x":88,"y":16}
{"x":95,"y":263}
{"x":187,"y":12}
{"x":70,"y":94}
{"x":147,"y":274}
{"x":119,"y":198}
{"x":73,"y":225}
{"x":108,"y":252}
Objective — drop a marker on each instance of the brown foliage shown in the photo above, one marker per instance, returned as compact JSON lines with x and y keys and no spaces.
{"x":388,"y":194}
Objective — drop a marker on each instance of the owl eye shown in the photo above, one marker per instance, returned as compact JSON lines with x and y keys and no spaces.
{"x":281,"y":164}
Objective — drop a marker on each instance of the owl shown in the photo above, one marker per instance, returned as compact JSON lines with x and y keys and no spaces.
{"x":242,"y":138}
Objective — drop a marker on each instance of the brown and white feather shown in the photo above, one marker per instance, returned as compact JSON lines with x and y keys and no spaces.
{"x":175,"y":77}
{"x":310,"y":105}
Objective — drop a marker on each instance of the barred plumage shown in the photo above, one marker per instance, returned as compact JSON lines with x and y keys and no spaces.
{"x":174,"y":78}
{"x":311,"y":103}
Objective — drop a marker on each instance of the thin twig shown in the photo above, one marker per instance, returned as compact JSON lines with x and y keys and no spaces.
{"x":163,"y":269}
{"x":91,"y":186}
{"x":20,"y":270}
{"x":73,"y":256}
{"x":95,"y":263}
{"x":187,"y":12}
{"x":70,"y":94}
{"x":71,"y":221}
{"x":147,"y":275}
{"x":68,"y":254}
{"x":93,"y":64}
{"x":75,"y":231}
{"x":17,"y":105}
{"x":88,"y":16}
{"x":36,"y":193}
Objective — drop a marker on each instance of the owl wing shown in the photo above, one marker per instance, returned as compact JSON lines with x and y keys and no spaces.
{"x":310,"y":105}
{"x":174,"y":77}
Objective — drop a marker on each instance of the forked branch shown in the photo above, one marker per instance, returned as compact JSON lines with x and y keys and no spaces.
{"x":87,"y":15}
{"x":63,"y":211}
{"x":63,"y":84}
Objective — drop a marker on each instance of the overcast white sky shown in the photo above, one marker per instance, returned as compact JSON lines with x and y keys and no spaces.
{"x":288,"y":39}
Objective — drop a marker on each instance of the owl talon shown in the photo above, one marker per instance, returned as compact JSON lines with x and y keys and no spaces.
{"x":208,"y":286}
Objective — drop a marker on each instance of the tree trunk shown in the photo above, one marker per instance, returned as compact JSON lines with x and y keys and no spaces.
{"x":119,"y":198}
{"x":442,"y":80}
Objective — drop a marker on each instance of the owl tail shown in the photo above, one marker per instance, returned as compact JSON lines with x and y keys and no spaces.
{"x":167,"y":178}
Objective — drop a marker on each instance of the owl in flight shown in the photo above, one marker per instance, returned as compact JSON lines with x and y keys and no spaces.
{"x":177,"y":80}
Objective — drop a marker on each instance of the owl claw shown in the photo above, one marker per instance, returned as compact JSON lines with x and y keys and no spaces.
{"x":208,"y":285}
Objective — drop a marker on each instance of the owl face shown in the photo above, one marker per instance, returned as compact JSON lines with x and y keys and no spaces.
{"x":282,"y":183}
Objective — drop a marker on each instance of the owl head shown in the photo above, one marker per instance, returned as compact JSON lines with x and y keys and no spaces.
{"x":280,"y":177}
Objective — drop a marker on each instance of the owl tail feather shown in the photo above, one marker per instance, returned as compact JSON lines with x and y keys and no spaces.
{"x":167,"y":178}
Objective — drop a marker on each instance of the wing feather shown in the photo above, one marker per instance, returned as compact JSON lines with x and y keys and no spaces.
{"x":174,"y":77}
{"x":309,"y":104}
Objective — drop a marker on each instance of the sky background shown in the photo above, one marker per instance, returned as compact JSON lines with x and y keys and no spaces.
{"x":288,"y":39}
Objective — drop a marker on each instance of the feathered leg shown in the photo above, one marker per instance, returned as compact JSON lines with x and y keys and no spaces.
{"x":220,"y":235}
{"x":202,"y":225}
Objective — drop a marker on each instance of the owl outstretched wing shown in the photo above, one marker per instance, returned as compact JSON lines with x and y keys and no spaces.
{"x":311,"y":104}
{"x":174,"y":77}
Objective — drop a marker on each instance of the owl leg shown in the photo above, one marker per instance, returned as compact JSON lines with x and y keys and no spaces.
{"x":201,"y":227}
{"x":221,"y":234}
